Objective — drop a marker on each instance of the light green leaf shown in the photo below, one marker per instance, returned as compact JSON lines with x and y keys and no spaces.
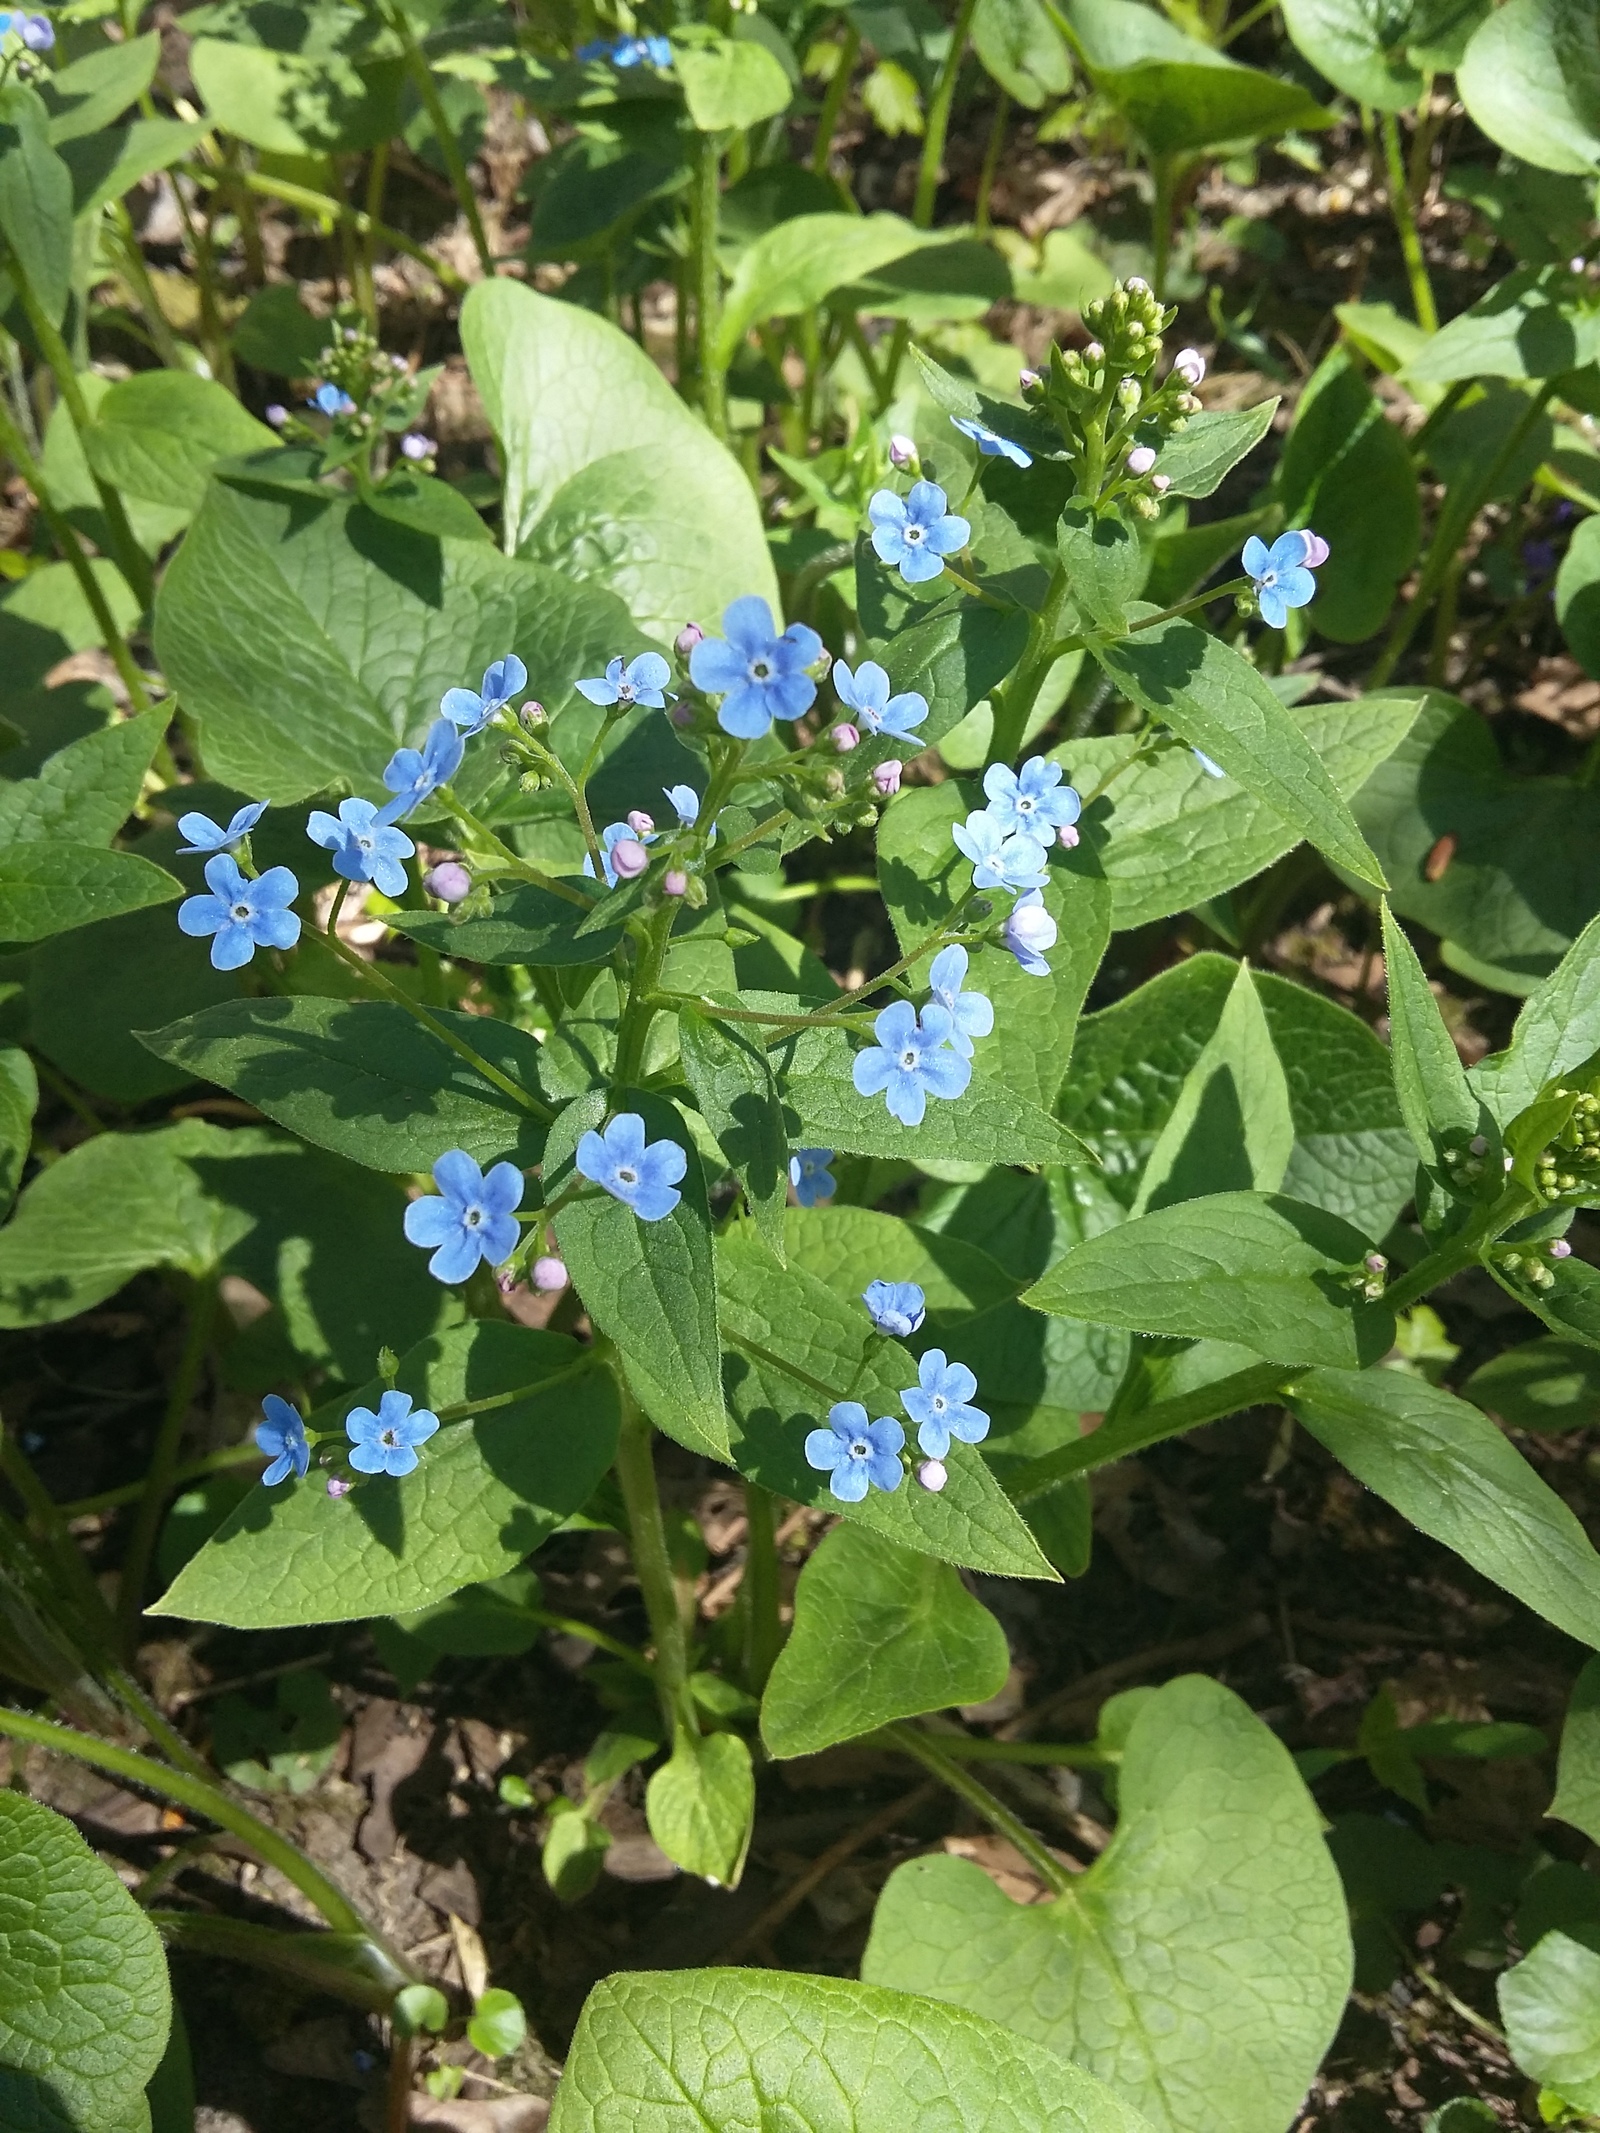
{"x":731,"y":1077}
{"x":1360,"y":46}
{"x":604,"y":465}
{"x":1210,"y":446}
{"x":1578,"y":595}
{"x":879,"y":1634}
{"x":799,"y":263}
{"x":1577,"y":1797}
{"x":364,"y":1078}
{"x":105,"y":165}
{"x":1104,"y":565}
{"x":297,"y":102}
{"x":486,"y":1492}
{"x":1215,"y":700}
{"x":1201,"y":1964}
{"x":686,"y":2050}
{"x":1231,"y":1129}
{"x":1558,"y":1029}
{"x":1447,"y":1468}
{"x":528,"y":925}
{"x":159,"y":433}
{"x":1180,"y":95}
{"x":84,"y":2000}
{"x":848,"y":1247}
{"x":1531,"y":79}
{"x":1436,"y":1098}
{"x":701,"y":1805}
{"x":85,"y":791}
{"x":91,"y":92}
{"x":1544,"y":1384}
{"x":1262,"y":1270}
{"x":35,"y":199}
{"x":498,"y":2023}
{"x":1528,"y":326}
{"x":1022,"y":49}
{"x":731,"y":82}
{"x":1550,"y":2004}
{"x":19,"y":1099}
{"x":50,"y":888}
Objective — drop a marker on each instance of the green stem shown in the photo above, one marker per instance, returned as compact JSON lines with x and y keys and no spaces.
{"x":762,"y":1631}
{"x":975,"y":592}
{"x":328,"y":209}
{"x":513,"y":862}
{"x":1017,"y":699}
{"x":833,"y":102}
{"x":444,"y":133}
{"x":818,"y":1018}
{"x":1462,"y":1249}
{"x":602,"y":1640}
{"x":921,"y":1747}
{"x":640,"y":1010}
{"x":130,"y":254}
{"x":991,"y":163}
{"x":707,"y":207}
{"x":466,"y":1410}
{"x":652,"y":1562}
{"x":130,"y":1492}
{"x":1065,"y":1755}
{"x":1163,"y":174}
{"x":164,"y":1459}
{"x":939,"y":118}
{"x":1405,"y":222}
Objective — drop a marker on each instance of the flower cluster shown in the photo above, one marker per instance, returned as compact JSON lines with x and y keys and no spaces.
{"x":381,"y":1441}
{"x":857,"y":1454}
{"x":37,"y":32}
{"x":362,"y":393}
{"x":1008,"y":842}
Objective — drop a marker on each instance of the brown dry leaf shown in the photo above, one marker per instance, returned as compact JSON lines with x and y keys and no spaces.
{"x":498,"y":2114}
{"x":1006,"y":1867}
{"x":1561,"y":692}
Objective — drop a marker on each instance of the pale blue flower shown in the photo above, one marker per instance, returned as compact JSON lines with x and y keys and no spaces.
{"x":641,"y":681}
{"x":332,"y":400}
{"x":810,"y":1176}
{"x":472,"y":709}
{"x":917,"y":533}
{"x":1028,"y":932}
{"x":364,"y":847}
{"x":939,"y":1404}
{"x":855,"y":1453}
{"x":895,"y":1307}
{"x":1211,"y":769}
{"x":282,"y":1436}
{"x":1282,"y":577}
{"x":990,"y":443}
{"x":999,"y":861}
{"x":204,"y":835}
{"x":1032,"y":801}
{"x":386,"y":1442}
{"x":611,"y":836}
{"x":911,"y":1061}
{"x":971,"y":1015}
{"x":866,"y":691}
{"x":473,"y":1218}
{"x":643,"y":1176}
{"x":242,"y":915}
{"x":759,"y":674}
{"x":414,"y":774}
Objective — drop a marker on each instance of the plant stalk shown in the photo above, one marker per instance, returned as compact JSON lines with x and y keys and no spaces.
{"x":652,"y":1561}
{"x":449,"y":146}
{"x":762,"y":1631}
{"x":1403,"y":209}
{"x":164,"y":1459}
{"x":922,"y":1748}
{"x":707,"y":208}
{"x":833,"y":101}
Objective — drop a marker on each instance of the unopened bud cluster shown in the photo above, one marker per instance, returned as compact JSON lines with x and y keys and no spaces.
{"x":1531,"y":1264}
{"x":1112,"y":414}
{"x":1571,"y":1161}
{"x":1465,"y":1166}
{"x":1368,"y":1278}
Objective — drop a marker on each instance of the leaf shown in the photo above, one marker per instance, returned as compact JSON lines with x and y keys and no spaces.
{"x":1216,"y":701}
{"x":1231,"y":1129}
{"x":1445,"y":1466}
{"x":93,"y":91}
{"x":35,"y":199}
{"x":731,"y":82}
{"x":892,"y":100}
{"x":86,"y":791}
{"x":731,"y":1077}
{"x":649,"y":1286}
{"x":159,"y":433}
{"x":498,"y":2023}
{"x":1436,"y":1098}
{"x":685,"y":2050}
{"x":701,"y":1805}
{"x":19,"y":1099}
{"x":1259,"y":1269}
{"x":1569,"y":1305}
{"x":50,"y":888}
{"x":84,"y":2000}
{"x":1544,"y":1384}
{"x":364,"y":1078}
{"x":1201,"y":1963}
{"x":486,"y":1493}
{"x":1531,"y":79}
{"x":1557,"y":1029}
{"x":879,"y":1634}
{"x":604,"y":465}
{"x":953,"y":660}
{"x":1197,"y":460}
{"x":1104,"y":567}
{"x":105,"y":165}
{"x":1021,"y":48}
{"x":1550,"y":2005}
{"x":1578,"y":595}
{"x":1527,"y":326}
{"x":1577,"y":1797}
{"x":527,"y":925}
{"x":296,"y":102}
{"x":801,"y":262}
{"x":1359,"y":46}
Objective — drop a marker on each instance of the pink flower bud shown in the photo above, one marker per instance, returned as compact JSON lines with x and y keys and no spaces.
{"x":639,"y":822}
{"x":505,"y":1281}
{"x":1136,"y":285}
{"x":1029,"y":381}
{"x":1094,"y":353}
{"x":277,"y":415}
{"x":933,"y":1474}
{"x":687,"y":638}
{"x":681,"y":715}
{"x":418,"y":447}
{"x":1141,"y":459}
{"x":338,"y":1486}
{"x":532,"y":713}
{"x":1561,"y":1249}
{"x":886,"y":776}
{"x":628,"y":859}
{"x":449,"y":881}
{"x":1317,"y":550}
{"x":1067,"y":836}
{"x":1375,"y":1263}
{"x":844,"y":737}
{"x":1190,"y":365}
{"x":674,"y":882}
{"x":1161,"y":483}
{"x":549,"y":1274}
{"x":1478,"y":1145}
{"x":902,"y":451}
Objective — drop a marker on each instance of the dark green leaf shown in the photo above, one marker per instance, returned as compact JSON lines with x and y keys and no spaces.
{"x":1104,"y":567}
{"x":50,"y":888}
{"x":1578,"y":595}
{"x":1346,"y":472}
{"x":527,"y":925}
{"x":1178,"y":94}
{"x":1531,"y":79}
{"x":1577,"y":1797}
{"x":1545,"y":1384}
{"x":159,"y":433}
{"x":86,"y":791}
{"x":88,"y":94}
{"x":1531,"y":325}
{"x":731,"y":1077}
{"x":1210,"y":446}
{"x":1436,"y":1099}
{"x":35,"y":199}
{"x":19,"y":1099}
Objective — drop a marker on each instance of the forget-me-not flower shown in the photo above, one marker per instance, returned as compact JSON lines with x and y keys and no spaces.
{"x":810,"y":1176}
{"x":611,"y":836}
{"x":37,"y":32}
{"x":473,"y":1218}
{"x":414,"y":774}
{"x":242,"y":915}
{"x":282,"y":1436}
{"x":855,"y":1453}
{"x":386,"y":1442}
{"x":364,"y":847}
{"x":917,"y":533}
{"x":911,"y":1061}
{"x":1281,"y":573}
{"x":472,"y":709}
{"x":866,"y":691}
{"x":332,"y":400}
{"x":1031,"y":801}
{"x":939,"y":1404}
{"x":643,"y":1176}
{"x":1028,"y":932}
{"x":1211,"y":769}
{"x":895,"y":1307}
{"x":759,"y":674}
{"x":1000,"y":861}
{"x":971,"y":1015}
{"x":990,"y":443}
{"x":641,"y":681}
{"x":627,"y":51}
{"x":204,"y":835}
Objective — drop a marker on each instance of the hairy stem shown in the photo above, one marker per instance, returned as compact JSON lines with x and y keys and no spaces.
{"x":833,"y":101}
{"x":762,"y":1631}
{"x":444,"y":134}
{"x":164,"y":1459}
{"x":933,"y":1756}
{"x":652,"y":1562}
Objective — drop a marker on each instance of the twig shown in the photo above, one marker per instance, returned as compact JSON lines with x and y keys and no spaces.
{"x":790,"y":1898}
{"x":1090,"y":1690}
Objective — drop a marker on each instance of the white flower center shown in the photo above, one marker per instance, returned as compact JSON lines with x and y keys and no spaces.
{"x":472,"y":1217}
{"x":241,"y":910}
{"x":761,"y":670}
{"x":389,"y":1439}
{"x":625,"y":1176}
{"x":908,"y":1058}
{"x":1025,"y":806}
{"x":914,"y":534}
{"x":939,"y":1403}
{"x":860,"y":1449}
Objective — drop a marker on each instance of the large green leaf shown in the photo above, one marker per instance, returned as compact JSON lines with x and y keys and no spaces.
{"x":89,"y":93}
{"x":159,"y":433}
{"x":84,"y":792}
{"x":527,"y":925}
{"x":35,"y":199}
{"x":799,"y":263}
{"x":1531,"y":325}
{"x":1436,"y":1098}
{"x":19,"y":1099}
{"x":731,"y":82}
{"x":297,"y":101}
{"x":1360,"y":46}
{"x":50,"y":888}
{"x":605,"y":466}
{"x":1180,"y":95}
{"x":1531,"y":79}
{"x":84,"y":2000}
{"x":1558,"y":1029}
{"x":879,"y":1634}
{"x":954,"y":660}
{"x":486,"y":1492}
{"x":731,"y":1077}
{"x":1578,"y":595}
{"x":1210,"y":446}
{"x":1447,"y":1468}
{"x":106,"y":164}
{"x":1231,"y":1129}
{"x":1201,"y":1964}
{"x":1544,"y":1384}
{"x":1022,"y":49}
{"x":1550,"y":2005}
{"x":685,"y":2051}
{"x":1577,"y":1797}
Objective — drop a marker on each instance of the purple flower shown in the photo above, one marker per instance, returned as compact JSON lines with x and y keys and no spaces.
{"x":449,"y":881}
{"x":38,"y":33}
{"x":242,"y":915}
{"x":282,"y":1436}
{"x":1282,"y":573}
{"x":473,"y":1217}
{"x":990,"y":443}
{"x":855,"y":1453}
{"x":622,"y":853}
{"x":939,"y":1405}
{"x":1027,"y":802}
{"x":971,"y":1015}
{"x":886,"y":777}
{"x":204,"y":835}
{"x":759,"y":674}
{"x":1028,"y":932}
{"x":386,"y":1442}
{"x":1000,"y":861}
{"x":641,"y":681}
{"x":810,"y":1176}
{"x":364,"y":845}
{"x":915,"y":535}
{"x":417,"y":446}
{"x":866,"y":691}
{"x":643,"y":1176}
{"x":911,"y":1061}
{"x":414,"y":774}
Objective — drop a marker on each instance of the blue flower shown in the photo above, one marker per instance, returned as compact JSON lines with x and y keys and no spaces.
{"x":1282,"y":576}
{"x":810,"y":1176}
{"x":758,"y":674}
{"x":473,"y":1218}
{"x":685,"y":804}
{"x":999,"y":861}
{"x":641,"y":681}
{"x":858,"y":1454}
{"x":1028,"y":932}
{"x":204,"y":835}
{"x":938,"y":1404}
{"x":971,"y":1015}
{"x":1211,"y":769}
{"x":282,"y":1436}
{"x":38,"y":33}
{"x":1026,"y":802}
{"x":917,"y":534}
{"x":331,"y":400}
{"x":866,"y":691}
{"x":611,"y":836}
{"x":990,"y":443}
{"x":643,"y":1177}
{"x":413,"y":774}
{"x":386,"y":1442}
{"x":472,"y":709}
{"x":895,"y":1307}
{"x":243,"y":915}
{"x":912,"y":1061}
{"x":363,"y":847}
{"x":627,"y":51}
{"x":658,"y":50}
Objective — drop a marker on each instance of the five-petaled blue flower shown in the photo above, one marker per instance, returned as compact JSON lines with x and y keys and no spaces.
{"x":611,"y":836}
{"x":990,"y":442}
{"x":1282,"y":575}
{"x":641,"y":681}
{"x":1032,"y":801}
{"x":1028,"y":932}
{"x":472,"y":709}
{"x":685,"y":804}
{"x":759,"y":675}
{"x":204,"y":835}
{"x":971,"y":1015}
{"x":642,"y":1176}
{"x":414,"y":774}
{"x":282,"y":1436}
{"x":810,"y":1176}
{"x":856,"y":1453}
{"x":939,"y":1405}
{"x":895,"y":1307}
{"x":332,"y":400}
{"x":474,"y":1216}
{"x":243,"y":915}
{"x":627,"y":51}
{"x":365,"y":847}
{"x":1000,"y":861}
{"x":866,"y":691}
{"x":916,"y":534}
{"x":912,"y":1060}
{"x":386,"y":1442}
